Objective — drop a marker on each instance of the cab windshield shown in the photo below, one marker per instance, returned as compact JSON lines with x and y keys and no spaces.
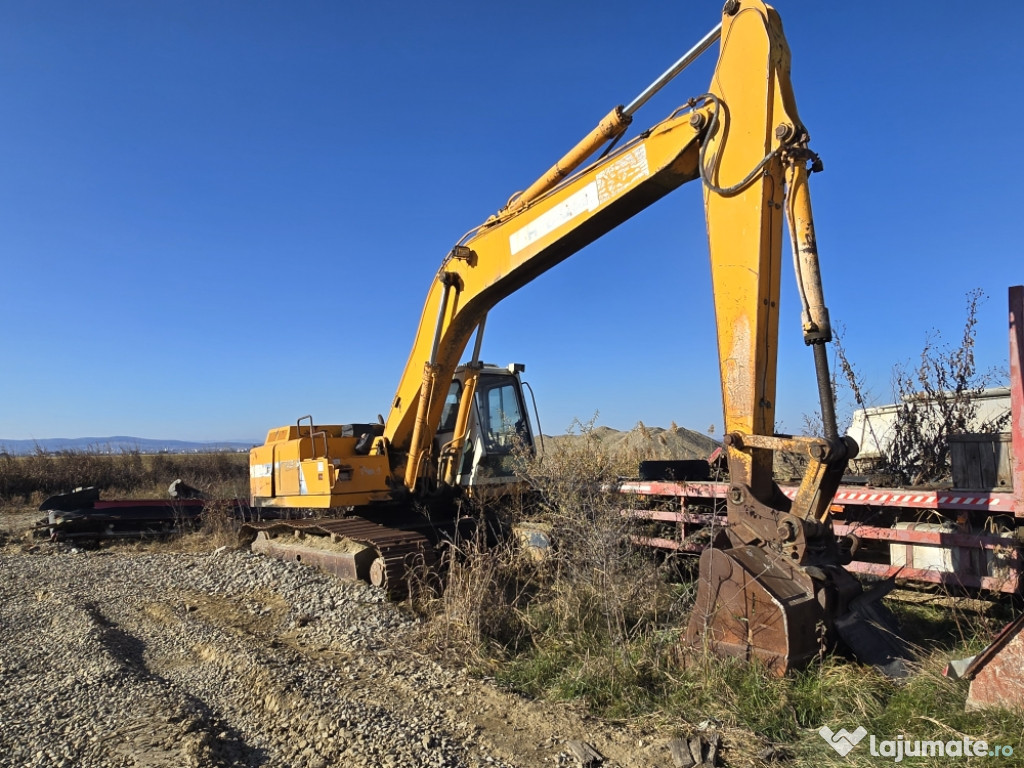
{"x":503,"y":419}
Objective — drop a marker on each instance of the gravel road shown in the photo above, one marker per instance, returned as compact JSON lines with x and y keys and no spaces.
{"x":131,"y":657}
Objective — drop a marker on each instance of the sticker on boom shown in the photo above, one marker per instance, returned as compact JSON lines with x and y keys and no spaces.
{"x":609,"y":182}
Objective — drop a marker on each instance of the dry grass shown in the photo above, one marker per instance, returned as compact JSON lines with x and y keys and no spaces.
{"x":599,"y":621}
{"x":26,"y":481}
{"x":30,"y":479}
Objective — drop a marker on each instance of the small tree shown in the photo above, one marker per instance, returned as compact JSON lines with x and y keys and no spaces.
{"x":936,"y":399}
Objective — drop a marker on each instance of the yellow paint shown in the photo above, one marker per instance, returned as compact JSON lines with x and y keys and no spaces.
{"x":302,"y":476}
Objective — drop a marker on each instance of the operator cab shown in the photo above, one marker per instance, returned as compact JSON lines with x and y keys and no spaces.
{"x":499,"y":426}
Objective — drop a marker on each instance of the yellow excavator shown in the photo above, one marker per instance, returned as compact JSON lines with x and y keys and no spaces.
{"x":773,"y":587}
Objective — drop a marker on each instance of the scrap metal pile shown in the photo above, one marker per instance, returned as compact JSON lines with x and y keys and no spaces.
{"x":81,"y":514}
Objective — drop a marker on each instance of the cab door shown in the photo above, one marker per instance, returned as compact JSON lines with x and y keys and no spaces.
{"x":499,"y":430}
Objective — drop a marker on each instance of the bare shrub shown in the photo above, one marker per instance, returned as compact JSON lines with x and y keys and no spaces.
{"x":219,"y":524}
{"x":480,"y":610}
{"x":935,"y":399}
{"x":596,"y":622}
{"x":13,"y":482}
{"x":601,"y":584}
{"x":591,"y":616}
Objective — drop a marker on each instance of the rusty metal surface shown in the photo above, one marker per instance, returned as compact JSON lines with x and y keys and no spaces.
{"x":997,"y":673}
{"x":910,"y":536}
{"x":1009,"y":584}
{"x":658,"y":542}
{"x":923,"y":499}
{"x":926,"y":536}
{"x":1017,"y":396}
{"x":703,"y":518}
{"x":354,"y":566}
{"x":750,"y":604}
{"x":697,"y":490}
{"x":755,"y":604}
{"x":988,"y":561}
{"x":129,"y":518}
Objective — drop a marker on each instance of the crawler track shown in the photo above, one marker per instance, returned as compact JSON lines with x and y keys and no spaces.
{"x":351,"y":547}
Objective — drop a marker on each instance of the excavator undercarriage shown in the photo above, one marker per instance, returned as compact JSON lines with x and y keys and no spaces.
{"x":351,"y":548}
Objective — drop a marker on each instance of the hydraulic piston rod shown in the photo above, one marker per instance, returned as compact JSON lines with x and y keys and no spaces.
{"x":611,"y":127}
{"x":684,"y":61}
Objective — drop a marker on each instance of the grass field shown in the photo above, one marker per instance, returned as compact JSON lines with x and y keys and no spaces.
{"x":27,"y":480}
{"x":599,"y":621}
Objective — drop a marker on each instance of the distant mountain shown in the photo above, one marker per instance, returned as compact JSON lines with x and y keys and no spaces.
{"x":118,"y":444}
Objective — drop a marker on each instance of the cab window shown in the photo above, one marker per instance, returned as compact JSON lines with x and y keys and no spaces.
{"x":450,"y":413}
{"x":502,"y":416}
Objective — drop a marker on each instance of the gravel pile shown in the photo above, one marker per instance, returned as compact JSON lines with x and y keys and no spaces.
{"x":121,"y":658}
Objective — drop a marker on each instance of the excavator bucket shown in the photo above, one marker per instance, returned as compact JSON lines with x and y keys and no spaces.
{"x":752,"y":603}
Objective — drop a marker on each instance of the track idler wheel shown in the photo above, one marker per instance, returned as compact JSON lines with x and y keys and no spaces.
{"x":379,"y":573}
{"x":393,"y":569}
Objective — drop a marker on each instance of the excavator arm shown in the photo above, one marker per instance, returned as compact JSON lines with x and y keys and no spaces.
{"x":747,"y":137}
{"x":511,"y":250}
{"x":776,"y":589}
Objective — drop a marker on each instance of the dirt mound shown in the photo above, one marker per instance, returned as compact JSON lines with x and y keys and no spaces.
{"x":638,"y":444}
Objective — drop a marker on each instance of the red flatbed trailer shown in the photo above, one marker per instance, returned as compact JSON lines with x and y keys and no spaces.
{"x":953,"y":537}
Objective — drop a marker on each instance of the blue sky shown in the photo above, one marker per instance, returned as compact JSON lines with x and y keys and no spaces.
{"x":217,"y":217}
